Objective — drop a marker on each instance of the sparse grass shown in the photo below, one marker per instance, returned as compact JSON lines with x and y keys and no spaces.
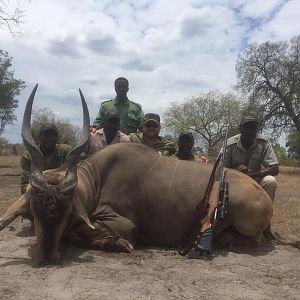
{"x":287,"y":202}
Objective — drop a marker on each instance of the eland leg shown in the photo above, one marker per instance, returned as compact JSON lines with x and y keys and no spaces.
{"x":19,"y":208}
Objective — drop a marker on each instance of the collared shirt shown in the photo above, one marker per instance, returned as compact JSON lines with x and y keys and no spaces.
{"x":163,"y":147}
{"x":131,"y":114}
{"x":259,"y":154}
{"x":98,"y":140}
{"x":53,"y":161}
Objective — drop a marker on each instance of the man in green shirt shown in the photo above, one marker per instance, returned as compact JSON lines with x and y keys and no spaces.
{"x":131,"y":113}
{"x":54,"y":154}
{"x":150,"y":136}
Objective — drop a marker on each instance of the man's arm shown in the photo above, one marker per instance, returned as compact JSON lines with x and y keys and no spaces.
{"x":272,"y":170}
{"x":99,"y":120}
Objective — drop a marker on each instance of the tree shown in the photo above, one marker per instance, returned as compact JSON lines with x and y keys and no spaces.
{"x":269,"y":75}
{"x":293,"y":145}
{"x":10,"y":88}
{"x":10,"y":18}
{"x":207,"y":116}
{"x":68,"y":133}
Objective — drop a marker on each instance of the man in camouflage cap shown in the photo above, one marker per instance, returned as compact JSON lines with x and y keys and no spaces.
{"x":108,"y":135}
{"x":150,"y":136}
{"x":54,"y":155}
{"x":131,"y":113}
{"x":248,"y":151}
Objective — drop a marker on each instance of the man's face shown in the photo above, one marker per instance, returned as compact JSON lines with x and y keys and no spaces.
{"x":111,"y":126}
{"x":248,"y":131}
{"x":185,"y":146}
{"x":121,"y":88}
{"x":48,"y":139}
{"x":151,"y":129}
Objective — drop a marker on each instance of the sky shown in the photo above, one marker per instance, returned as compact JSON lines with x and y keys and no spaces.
{"x":168,"y":50}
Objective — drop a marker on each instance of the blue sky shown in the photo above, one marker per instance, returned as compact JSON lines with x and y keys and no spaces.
{"x":168,"y":50}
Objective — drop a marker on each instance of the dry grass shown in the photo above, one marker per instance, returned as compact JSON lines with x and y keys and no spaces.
{"x":286,"y":204}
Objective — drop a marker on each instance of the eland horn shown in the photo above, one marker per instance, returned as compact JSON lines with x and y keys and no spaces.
{"x":70,"y":180}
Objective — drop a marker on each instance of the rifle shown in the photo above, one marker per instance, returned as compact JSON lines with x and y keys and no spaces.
{"x":216,"y":199}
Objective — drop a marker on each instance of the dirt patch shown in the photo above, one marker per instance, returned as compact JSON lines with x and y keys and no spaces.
{"x":269,"y":272}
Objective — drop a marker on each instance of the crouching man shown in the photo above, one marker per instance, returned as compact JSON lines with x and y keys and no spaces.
{"x":249,"y":151}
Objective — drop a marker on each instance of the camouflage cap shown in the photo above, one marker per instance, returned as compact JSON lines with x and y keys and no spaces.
{"x":111,"y":114}
{"x":247,"y":119}
{"x":152,"y":117}
{"x":48,"y":126}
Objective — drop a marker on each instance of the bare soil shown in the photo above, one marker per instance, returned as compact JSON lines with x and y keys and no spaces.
{"x":268,"y":272}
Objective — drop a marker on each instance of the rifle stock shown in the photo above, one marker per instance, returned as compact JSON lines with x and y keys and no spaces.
{"x":217,"y":193}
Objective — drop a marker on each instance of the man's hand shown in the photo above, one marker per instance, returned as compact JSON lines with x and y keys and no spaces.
{"x":243,"y":169}
{"x":92,"y":129}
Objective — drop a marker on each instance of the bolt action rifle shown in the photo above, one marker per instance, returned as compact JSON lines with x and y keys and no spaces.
{"x":215,"y":200}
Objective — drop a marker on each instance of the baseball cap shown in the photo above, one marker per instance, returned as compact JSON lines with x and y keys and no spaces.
{"x":152,"y":117}
{"x":186,"y":136}
{"x":248,"y":119}
{"x":48,"y":126}
{"x":111,"y":114}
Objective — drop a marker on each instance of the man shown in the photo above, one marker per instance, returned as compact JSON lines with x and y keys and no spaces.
{"x":131,"y":113}
{"x":248,"y":151}
{"x":109,"y":134}
{"x":150,"y":136}
{"x":185,"y":146}
{"x":54,"y":154}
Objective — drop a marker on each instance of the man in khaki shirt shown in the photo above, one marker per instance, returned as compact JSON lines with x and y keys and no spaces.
{"x":185,"y":146}
{"x":249,"y":151}
{"x":108,"y":135}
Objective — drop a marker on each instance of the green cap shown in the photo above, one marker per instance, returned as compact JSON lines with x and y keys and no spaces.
{"x":152,"y":117}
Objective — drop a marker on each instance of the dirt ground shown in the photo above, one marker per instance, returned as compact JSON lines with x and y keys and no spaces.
{"x":269,"y":272}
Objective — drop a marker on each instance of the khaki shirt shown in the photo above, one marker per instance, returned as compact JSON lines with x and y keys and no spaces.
{"x":131,"y":114}
{"x":53,"y":161}
{"x":259,"y":154}
{"x":98,"y":140}
{"x":192,"y":158}
{"x":163,"y":147}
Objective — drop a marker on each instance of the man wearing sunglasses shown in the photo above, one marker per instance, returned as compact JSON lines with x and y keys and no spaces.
{"x":150,"y":136}
{"x":108,"y":135}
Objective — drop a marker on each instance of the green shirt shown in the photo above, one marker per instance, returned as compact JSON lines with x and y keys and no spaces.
{"x":53,"y":161}
{"x":131,"y":114}
{"x":163,"y":147}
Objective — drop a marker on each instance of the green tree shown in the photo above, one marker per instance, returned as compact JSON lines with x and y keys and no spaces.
{"x":10,"y":88}
{"x":269,"y":76}
{"x":206,"y":116}
{"x":293,"y":145}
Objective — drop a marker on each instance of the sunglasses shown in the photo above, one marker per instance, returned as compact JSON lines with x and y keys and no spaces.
{"x":151,"y":125}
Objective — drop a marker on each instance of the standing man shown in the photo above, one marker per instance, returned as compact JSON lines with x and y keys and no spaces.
{"x":131,"y":113}
{"x":150,"y":136}
{"x":109,"y":134}
{"x":248,"y":151}
{"x":54,"y":155}
{"x":185,"y":146}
